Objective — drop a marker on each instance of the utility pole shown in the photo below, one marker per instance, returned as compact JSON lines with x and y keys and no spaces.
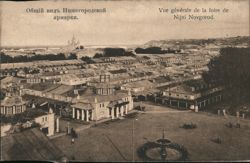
{"x":133,"y":141}
{"x":133,"y":160}
{"x":169,"y":95}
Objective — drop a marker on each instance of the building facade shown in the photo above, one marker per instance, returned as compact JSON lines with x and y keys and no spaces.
{"x":47,"y":123}
{"x":191,"y":95}
{"x":106,"y":102}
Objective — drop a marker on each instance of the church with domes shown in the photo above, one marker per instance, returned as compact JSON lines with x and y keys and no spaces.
{"x":102,"y":102}
{"x":72,"y":44}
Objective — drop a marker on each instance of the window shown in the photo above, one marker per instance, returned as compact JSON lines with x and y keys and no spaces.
{"x":18,"y":110}
{"x":9,"y":110}
{"x":100,"y":105}
{"x":46,"y":119}
{"x":103,"y":105}
{"x":2,"y":110}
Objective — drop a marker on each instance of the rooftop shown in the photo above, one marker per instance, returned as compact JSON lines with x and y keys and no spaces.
{"x":118,"y":71}
{"x":42,"y":86}
{"x":30,"y":144}
{"x":40,"y":64}
{"x":85,"y":106}
{"x":101,"y":98}
{"x":12,"y":100}
{"x":141,"y":83}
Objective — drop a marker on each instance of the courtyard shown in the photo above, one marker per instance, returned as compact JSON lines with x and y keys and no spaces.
{"x":114,"y":140}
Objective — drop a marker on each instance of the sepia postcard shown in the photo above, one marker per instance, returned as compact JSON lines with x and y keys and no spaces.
{"x":125,"y":80}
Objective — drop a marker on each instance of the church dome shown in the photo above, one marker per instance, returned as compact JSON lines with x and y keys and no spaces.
{"x":12,"y":100}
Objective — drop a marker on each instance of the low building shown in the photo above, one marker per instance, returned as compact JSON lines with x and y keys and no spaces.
{"x":33,"y":80}
{"x":138,"y":86}
{"x":191,"y":94}
{"x":47,"y":123}
{"x":72,"y":79}
{"x":29,"y":119}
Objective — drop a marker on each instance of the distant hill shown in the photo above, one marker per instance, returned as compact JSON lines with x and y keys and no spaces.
{"x":194,"y":43}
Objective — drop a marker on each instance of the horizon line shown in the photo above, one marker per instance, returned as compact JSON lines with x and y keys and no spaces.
{"x":122,"y":44}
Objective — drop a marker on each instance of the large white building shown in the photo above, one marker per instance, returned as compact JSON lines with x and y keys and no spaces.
{"x":105,"y":102}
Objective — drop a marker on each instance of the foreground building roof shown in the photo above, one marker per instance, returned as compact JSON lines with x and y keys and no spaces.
{"x":31,"y":144}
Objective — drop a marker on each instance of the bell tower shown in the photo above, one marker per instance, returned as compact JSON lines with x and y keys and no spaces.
{"x":104,"y":87}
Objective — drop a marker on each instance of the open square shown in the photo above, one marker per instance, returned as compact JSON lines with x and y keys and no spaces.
{"x":116,"y":137}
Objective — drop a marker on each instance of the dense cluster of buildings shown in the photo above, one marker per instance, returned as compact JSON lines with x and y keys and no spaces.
{"x":105,"y":88}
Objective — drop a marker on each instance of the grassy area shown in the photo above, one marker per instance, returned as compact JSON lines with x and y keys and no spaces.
{"x":113,"y":141}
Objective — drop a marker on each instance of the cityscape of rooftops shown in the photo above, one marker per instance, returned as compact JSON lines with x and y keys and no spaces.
{"x":136,"y":89}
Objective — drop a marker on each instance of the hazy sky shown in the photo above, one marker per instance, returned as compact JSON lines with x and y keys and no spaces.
{"x":125,"y":22}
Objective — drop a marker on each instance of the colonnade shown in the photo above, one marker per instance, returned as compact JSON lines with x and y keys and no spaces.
{"x":84,"y":115}
{"x":116,"y":112}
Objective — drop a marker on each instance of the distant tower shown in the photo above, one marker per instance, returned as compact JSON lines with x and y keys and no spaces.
{"x":73,"y":41}
{"x":78,"y":43}
{"x":72,"y":44}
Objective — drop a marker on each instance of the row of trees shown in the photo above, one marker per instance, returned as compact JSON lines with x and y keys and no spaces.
{"x":114,"y":52}
{"x":29,"y":58}
{"x":154,"y":50}
{"x":87,"y":59}
{"x":232,"y":70}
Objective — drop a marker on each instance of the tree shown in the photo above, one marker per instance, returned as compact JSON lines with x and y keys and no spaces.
{"x":113,"y":52}
{"x":150,"y":50}
{"x":5,"y":58}
{"x":129,"y":53}
{"x":98,"y":55}
{"x":72,"y":56}
{"x":87,"y":59}
{"x":232,"y":70}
